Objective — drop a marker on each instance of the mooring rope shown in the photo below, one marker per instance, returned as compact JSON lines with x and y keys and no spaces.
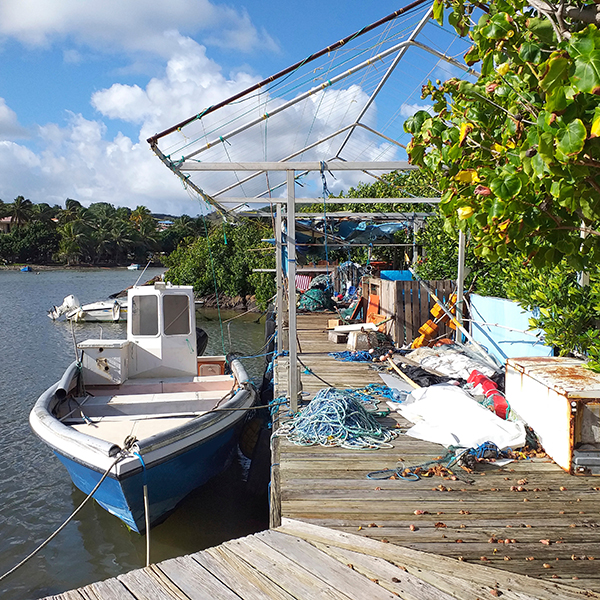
{"x":68,"y":520}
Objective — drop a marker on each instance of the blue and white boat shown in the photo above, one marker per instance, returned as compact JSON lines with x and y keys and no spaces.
{"x":147,"y":413}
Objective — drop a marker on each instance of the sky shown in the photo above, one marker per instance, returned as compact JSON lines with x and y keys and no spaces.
{"x":83,"y":84}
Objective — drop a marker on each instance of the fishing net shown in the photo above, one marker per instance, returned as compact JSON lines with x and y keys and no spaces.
{"x":336,"y":418}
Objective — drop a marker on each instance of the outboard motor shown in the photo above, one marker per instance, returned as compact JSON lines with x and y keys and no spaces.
{"x":201,"y":341}
{"x":69,"y":303}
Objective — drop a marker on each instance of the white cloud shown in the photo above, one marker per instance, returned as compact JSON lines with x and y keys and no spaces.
{"x":408,"y":110}
{"x":77,"y":159}
{"x":131,"y":25}
{"x":9,"y":124}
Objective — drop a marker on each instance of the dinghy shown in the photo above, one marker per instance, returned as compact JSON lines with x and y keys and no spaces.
{"x":101,"y":311}
{"x":146,"y":418}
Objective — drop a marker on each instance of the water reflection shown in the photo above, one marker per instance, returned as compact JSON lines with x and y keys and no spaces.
{"x":36,"y":494}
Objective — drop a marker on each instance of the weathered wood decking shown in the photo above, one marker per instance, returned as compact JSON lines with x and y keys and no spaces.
{"x":307,"y":562}
{"x":548,"y":531}
{"x":336,"y":534}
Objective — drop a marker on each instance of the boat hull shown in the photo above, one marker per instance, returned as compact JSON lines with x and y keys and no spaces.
{"x":168,"y":482}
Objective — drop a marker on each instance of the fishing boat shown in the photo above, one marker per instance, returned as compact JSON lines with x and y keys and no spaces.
{"x":146,"y":418}
{"x":101,"y":311}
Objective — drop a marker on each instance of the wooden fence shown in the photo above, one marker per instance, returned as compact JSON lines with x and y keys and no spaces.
{"x":410,"y":304}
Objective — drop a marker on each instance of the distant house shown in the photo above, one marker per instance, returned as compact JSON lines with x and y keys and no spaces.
{"x":5,"y":224}
{"x":162,"y":225}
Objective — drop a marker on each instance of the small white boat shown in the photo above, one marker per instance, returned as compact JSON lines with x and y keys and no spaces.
{"x":103,"y":310}
{"x":134,"y":267}
{"x":146,"y":418}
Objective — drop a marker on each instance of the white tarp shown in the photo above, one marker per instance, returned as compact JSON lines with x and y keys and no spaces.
{"x":448,"y":415}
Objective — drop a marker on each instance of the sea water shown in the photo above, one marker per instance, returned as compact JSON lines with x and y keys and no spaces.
{"x":36,"y":494}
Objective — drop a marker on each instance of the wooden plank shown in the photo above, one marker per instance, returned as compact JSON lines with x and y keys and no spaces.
{"x":143,"y":585}
{"x":79,"y":594}
{"x":194,"y":580}
{"x":419,"y":562}
{"x":408,"y":312}
{"x":425,"y":586}
{"x":111,"y":589}
{"x":261,"y":580}
{"x":275,"y":487}
{"x":244,"y":587}
{"x":424,"y":304}
{"x":293,"y":578}
{"x":336,"y":575}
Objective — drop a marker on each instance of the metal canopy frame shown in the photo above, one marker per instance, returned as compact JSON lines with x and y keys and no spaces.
{"x":183,"y":154}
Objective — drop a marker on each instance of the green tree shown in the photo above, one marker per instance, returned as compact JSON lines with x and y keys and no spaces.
{"x":226,"y":257}
{"x":516,"y":152}
{"x":21,"y":211}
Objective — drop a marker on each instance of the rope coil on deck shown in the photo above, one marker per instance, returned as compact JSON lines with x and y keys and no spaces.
{"x":336,"y":418}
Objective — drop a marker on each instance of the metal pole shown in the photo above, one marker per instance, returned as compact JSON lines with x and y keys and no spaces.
{"x":279,"y":277}
{"x":387,"y":75}
{"x":291,"y":258}
{"x":460,"y":278}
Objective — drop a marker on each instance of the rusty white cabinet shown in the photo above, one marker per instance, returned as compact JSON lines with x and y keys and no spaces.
{"x":560,"y":400}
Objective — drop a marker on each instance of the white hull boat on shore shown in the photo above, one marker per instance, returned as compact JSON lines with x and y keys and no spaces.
{"x":146,"y":419}
{"x":102,"y":311}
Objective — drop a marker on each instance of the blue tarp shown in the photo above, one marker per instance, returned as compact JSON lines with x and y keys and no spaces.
{"x":396,"y":275}
{"x":501,"y":327}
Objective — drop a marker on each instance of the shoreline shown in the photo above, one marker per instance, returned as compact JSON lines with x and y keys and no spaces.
{"x":18,"y":267}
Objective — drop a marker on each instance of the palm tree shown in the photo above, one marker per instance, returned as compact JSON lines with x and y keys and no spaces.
{"x":43,"y":212}
{"x":21,"y":211}
{"x":71,"y":242}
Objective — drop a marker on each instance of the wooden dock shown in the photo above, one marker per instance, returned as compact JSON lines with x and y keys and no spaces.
{"x":307,"y":562}
{"x":548,"y":530}
{"x":336,"y":534}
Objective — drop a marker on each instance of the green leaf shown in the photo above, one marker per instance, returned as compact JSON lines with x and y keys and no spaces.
{"x":581,"y":46}
{"x":472,"y":55}
{"x":546,"y":147}
{"x":498,"y":27}
{"x":438,"y":11}
{"x":570,"y":139}
{"x":413,"y":124}
{"x":417,"y":152}
{"x":542,"y":29}
{"x":531,"y":53}
{"x":454,"y":152}
{"x":587,"y":72}
{"x":555,"y":72}
{"x":487,"y":65}
{"x":506,"y":187}
{"x":497,"y":209}
{"x":556,"y":100}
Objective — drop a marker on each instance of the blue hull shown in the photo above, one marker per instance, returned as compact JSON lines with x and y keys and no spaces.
{"x":168,"y":482}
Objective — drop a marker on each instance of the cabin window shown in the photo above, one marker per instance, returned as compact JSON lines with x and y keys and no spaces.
{"x":144,"y":315}
{"x":176,"y":309}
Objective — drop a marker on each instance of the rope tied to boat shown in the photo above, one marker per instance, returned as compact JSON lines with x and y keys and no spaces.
{"x":124,"y":453}
{"x":336,"y":418}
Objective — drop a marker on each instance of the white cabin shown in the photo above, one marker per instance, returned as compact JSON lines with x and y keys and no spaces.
{"x":161,"y":338}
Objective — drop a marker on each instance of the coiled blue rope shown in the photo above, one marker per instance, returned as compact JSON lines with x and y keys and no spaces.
{"x":336,"y":418}
{"x":356,"y":356}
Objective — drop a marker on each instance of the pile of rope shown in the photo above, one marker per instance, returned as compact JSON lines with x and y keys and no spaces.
{"x":336,"y":418}
{"x":350,"y":356}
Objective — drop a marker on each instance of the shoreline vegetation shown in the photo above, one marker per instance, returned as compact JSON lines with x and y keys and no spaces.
{"x":238,"y":303}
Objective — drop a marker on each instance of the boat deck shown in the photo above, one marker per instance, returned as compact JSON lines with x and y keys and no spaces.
{"x":528,"y":517}
{"x":145,"y":407}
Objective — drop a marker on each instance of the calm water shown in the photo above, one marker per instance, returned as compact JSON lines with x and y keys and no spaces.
{"x":36,"y":494}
